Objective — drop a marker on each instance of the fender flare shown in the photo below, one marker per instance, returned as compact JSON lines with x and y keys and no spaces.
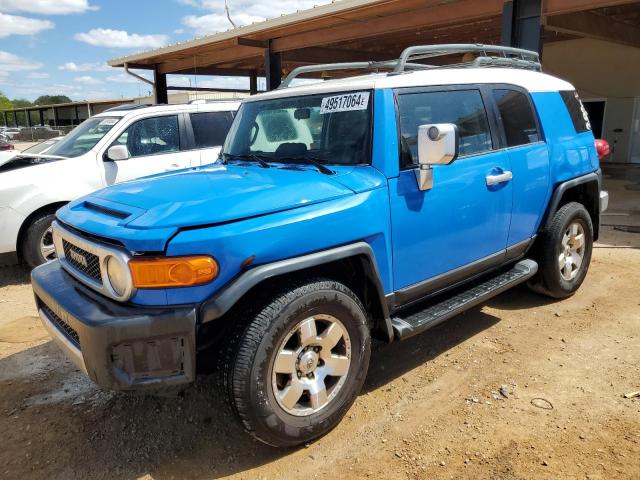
{"x":563,"y":187}
{"x":222,"y":301}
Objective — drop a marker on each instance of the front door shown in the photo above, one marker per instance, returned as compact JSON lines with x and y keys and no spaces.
{"x":461,"y":221}
{"x":153,"y":144}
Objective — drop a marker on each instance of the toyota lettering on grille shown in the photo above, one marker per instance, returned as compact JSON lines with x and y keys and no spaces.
{"x":79,"y":258}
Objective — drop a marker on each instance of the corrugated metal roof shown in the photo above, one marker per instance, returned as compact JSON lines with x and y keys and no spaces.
{"x":337,"y":6}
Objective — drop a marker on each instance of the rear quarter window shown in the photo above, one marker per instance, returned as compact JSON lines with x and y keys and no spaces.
{"x":518,"y":117}
{"x":576,"y":110}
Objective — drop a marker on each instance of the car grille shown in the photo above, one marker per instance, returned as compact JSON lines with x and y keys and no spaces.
{"x":90,"y":267}
{"x":63,"y":326}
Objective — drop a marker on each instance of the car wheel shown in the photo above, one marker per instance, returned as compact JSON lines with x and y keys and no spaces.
{"x":38,"y":245}
{"x":565,"y":252}
{"x":296,"y":367}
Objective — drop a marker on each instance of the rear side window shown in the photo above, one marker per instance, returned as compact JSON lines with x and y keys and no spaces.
{"x":577,"y":112}
{"x":461,"y":107}
{"x":518,"y":118}
{"x":210,"y":128}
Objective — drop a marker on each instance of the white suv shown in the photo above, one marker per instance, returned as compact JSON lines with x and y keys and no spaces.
{"x":119,"y":144}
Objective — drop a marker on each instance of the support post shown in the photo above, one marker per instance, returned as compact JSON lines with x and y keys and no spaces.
{"x":55,"y":116}
{"x":28,"y":115}
{"x":253,"y":83}
{"x":77,"y":115}
{"x":272,"y":68}
{"x":4,"y":115}
{"x":160,"y":89}
{"x":41,"y":115}
{"x":521,"y":26}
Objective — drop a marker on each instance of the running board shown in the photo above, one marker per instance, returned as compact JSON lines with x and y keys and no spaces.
{"x":419,"y":321}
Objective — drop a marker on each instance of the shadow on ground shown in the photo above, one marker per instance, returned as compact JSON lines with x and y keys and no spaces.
{"x":14,"y":275}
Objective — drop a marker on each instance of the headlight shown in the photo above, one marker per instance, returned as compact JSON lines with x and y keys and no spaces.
{"x":118,"y":276}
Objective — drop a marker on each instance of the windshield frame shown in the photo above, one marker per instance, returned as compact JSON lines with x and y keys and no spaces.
{"x":369,"y":133}
{"x":80,"y":130}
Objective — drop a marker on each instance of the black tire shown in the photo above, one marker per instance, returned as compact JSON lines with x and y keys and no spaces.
{"x":31,"y":252}
{"x":247,"y":365}
{"x":549,"y":281}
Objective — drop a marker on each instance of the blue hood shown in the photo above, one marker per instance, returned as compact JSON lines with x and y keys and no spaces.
{"x":144,"y":213}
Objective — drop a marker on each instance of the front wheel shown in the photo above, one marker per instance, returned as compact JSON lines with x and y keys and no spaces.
{"x":565,"y":252}
{"x":38,"y":245}
{"x":293,"y":372}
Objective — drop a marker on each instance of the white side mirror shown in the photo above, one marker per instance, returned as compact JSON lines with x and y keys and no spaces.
{"x":117,"y":152}
{"x":437,"y":145}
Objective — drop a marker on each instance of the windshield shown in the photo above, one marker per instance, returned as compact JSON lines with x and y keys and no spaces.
{"x":42,"y":146}
{"x":84,"y":137}
{"x":332,"y":129}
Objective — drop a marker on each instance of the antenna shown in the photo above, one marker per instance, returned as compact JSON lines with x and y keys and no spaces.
{"x":226,"y":10}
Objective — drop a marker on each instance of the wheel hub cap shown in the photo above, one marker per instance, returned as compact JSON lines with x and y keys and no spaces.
{"x":47,"y":248}
{"x":572,"y":251}
{"x":311,"y":365}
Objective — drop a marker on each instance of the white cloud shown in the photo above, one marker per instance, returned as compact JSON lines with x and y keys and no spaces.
{"x":13,"y":63}
{"x":87,"y":80}
{"x":38,"y":75}
{"x":85,"y":67}
{"x":106,"y":37}
{"x":46,"y":7}
{"x":17,"y":25}
{"x":242,"y":12}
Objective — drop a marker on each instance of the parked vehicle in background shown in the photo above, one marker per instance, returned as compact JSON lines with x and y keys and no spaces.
{"x":38,"y":132}
{"x":11,"y":133}
{"x":374,"y":206}
{"x":119,"y":144}
{"x":5,"y":146}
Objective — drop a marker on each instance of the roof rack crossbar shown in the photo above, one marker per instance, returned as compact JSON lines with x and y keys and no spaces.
{"x":488,"y":56}
{"x":323,"y":67}
{"x":510,"y":56}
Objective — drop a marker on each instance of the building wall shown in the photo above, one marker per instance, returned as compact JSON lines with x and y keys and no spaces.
{"x":603,"y":70}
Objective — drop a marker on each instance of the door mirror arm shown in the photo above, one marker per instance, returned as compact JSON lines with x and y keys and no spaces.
{"x":437,"y":145}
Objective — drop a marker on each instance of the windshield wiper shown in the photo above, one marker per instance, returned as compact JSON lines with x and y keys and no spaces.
{"x":250,"y":156}
{"x":306,"y":159}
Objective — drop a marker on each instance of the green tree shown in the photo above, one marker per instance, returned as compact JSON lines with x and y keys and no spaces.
{"x":5,"y":104}
{"x":21,"y":102}
{"x":51,"y":99}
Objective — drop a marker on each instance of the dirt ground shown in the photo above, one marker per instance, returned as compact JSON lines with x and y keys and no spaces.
{"x":431,"y":407}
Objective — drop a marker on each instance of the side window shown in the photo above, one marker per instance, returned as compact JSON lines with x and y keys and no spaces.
{"x":151,"y":136}
{"x":578,"y":113}
{"x":461,"y":107}
{"x":210,"y":128}
{"x":518,"y":117}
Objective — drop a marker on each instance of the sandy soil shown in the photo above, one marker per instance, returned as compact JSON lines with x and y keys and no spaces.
{"x":431,"y":407}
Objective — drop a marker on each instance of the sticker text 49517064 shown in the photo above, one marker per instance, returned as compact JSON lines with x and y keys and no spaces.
{"x":345,"y":102}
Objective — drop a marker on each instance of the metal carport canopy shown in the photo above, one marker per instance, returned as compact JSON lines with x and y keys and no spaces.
{"x":347,"y":30}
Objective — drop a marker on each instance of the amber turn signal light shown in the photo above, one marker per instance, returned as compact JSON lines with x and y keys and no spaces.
{"x":172,"y":271}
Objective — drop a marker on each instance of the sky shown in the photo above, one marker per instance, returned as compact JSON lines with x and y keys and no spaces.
{"x":60,"y":47}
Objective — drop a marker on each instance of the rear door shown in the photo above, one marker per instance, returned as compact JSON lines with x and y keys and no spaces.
{"x":209,"y":132}
{"x":155,"y":145}
{"x":529,"y":158}
{"x":461,"y":224}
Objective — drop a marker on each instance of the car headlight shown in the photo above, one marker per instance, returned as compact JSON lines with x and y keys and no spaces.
{"x":118,"y":275}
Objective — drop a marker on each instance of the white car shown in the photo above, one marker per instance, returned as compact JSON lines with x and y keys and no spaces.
{"x":119,"y":144}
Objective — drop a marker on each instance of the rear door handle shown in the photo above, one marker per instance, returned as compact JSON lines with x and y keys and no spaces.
{"x":501,"y":178}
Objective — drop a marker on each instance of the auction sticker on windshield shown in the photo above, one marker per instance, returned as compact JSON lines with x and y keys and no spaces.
{"x":345,"y":102}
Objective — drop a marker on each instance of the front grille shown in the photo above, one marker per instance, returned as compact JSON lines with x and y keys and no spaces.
{"x":63,"y":326}
{"x":83,"y":261}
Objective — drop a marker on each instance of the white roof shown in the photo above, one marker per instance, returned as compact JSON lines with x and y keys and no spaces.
{"x":220,"y":106}
{"x":527,"y":79}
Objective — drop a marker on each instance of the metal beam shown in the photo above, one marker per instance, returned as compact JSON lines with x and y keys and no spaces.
{"x":273,"y":68}
{"x":591,"y":25}
{"x":250,"y":42}
{"x":556,"y":7}
{"x":207,"y":89}
{"x":160,"y":94}
{"x":521,"y":25}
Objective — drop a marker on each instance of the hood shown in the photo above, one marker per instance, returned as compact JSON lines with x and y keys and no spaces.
{"x":159,"y":205}
{"x":21,"y":160}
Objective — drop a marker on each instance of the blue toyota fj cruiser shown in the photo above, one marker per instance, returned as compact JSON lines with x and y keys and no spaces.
{"x":375,"y":206}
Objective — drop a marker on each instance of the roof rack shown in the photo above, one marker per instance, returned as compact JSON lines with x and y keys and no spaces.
{"x":488,"y":56}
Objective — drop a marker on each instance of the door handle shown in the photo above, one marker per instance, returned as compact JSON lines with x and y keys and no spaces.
{"x":501,"y":178}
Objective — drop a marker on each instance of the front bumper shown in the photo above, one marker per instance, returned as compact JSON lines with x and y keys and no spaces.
{"x":119,"y":346}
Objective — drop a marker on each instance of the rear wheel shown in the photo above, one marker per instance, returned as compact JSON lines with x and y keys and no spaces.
{"x":565,"y":252}
{"x":295,"y":369}
{"x":38,"y":245}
